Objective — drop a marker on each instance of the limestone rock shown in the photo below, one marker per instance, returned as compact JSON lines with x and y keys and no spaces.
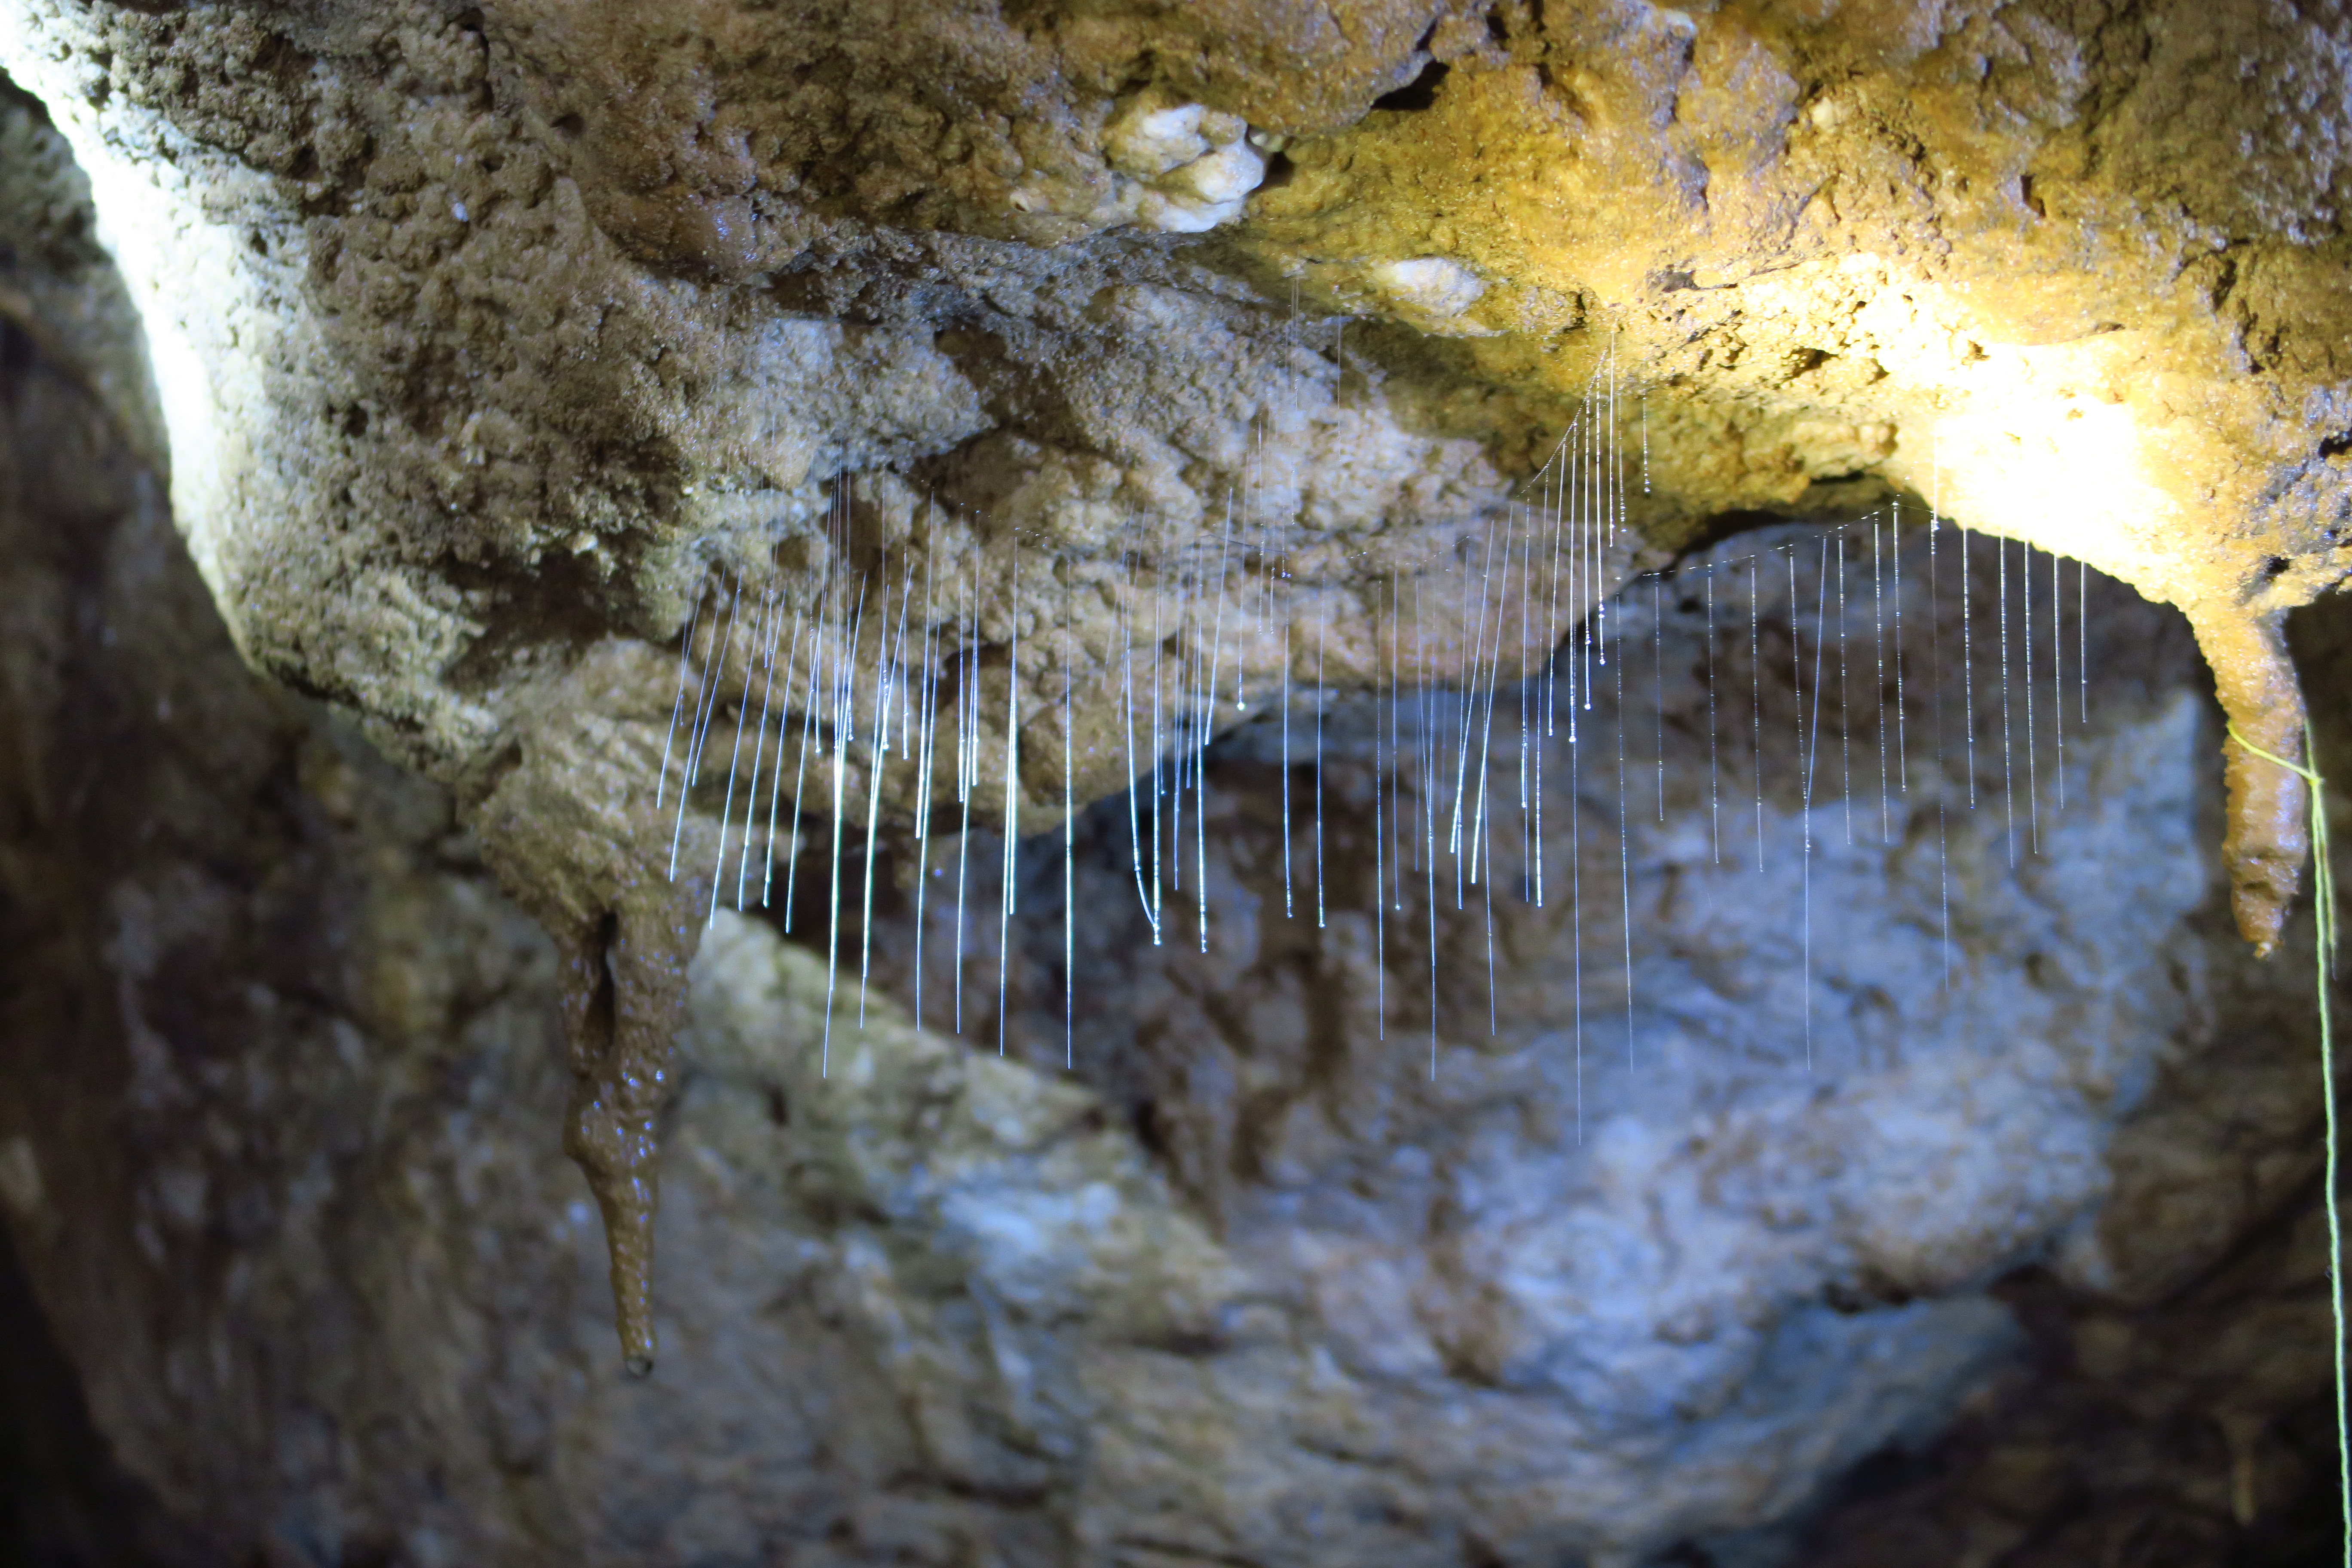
{"x":483,"y":349}
{"x":482,"y":336}
{"x":485,"y":340}
{"x":279,"y":1146}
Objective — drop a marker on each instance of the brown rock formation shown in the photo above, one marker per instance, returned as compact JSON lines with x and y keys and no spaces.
{"x":486,"y":343}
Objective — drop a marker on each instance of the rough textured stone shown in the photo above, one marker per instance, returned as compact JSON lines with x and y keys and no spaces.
{"x":487,"y":340}
{"x":281,"y":1155}
{"x":511,"y":287}
{"x":485,"y":343}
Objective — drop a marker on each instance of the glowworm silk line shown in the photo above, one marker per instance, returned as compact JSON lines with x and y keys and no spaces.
{"x":929,"y":658}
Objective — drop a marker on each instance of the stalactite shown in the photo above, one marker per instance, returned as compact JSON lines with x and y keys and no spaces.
{"x":2268,"y":833}
{"x":623,"y":999}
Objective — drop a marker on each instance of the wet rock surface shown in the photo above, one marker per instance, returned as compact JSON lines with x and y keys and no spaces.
{"x":488,"y":340}
{"x":2026,"y":1268}
{"x":2001,"y":1246}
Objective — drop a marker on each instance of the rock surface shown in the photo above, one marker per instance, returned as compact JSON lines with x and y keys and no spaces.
{"x":280,"y":1146}
{"x":281,"y":1142}
{"x":485,"y":335}
{"x":487,"y":342}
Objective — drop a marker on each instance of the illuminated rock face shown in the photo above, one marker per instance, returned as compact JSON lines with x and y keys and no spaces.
{"x":481,"y":339}
{"x":278,"y":1145}
{"x":485,"y":345}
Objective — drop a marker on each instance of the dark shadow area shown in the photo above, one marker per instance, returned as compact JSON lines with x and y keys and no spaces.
{"x":64,"y":1500}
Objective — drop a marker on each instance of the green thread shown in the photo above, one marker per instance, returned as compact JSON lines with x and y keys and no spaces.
{"x":2323,"y":909}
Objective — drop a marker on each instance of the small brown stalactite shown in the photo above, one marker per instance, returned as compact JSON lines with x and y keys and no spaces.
{"x":2268,"y":835}
{"x":623,"y":996}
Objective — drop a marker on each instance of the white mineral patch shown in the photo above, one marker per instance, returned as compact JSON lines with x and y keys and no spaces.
{"x":1429,"y":284}
{"x":1148,"y":137}
{"x":1184,"y":168}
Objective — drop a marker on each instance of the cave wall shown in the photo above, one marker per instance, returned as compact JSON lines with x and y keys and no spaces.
{"x":486,"y":336}
{"x":286,"y":1166}
{"x":281,"y":1158}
